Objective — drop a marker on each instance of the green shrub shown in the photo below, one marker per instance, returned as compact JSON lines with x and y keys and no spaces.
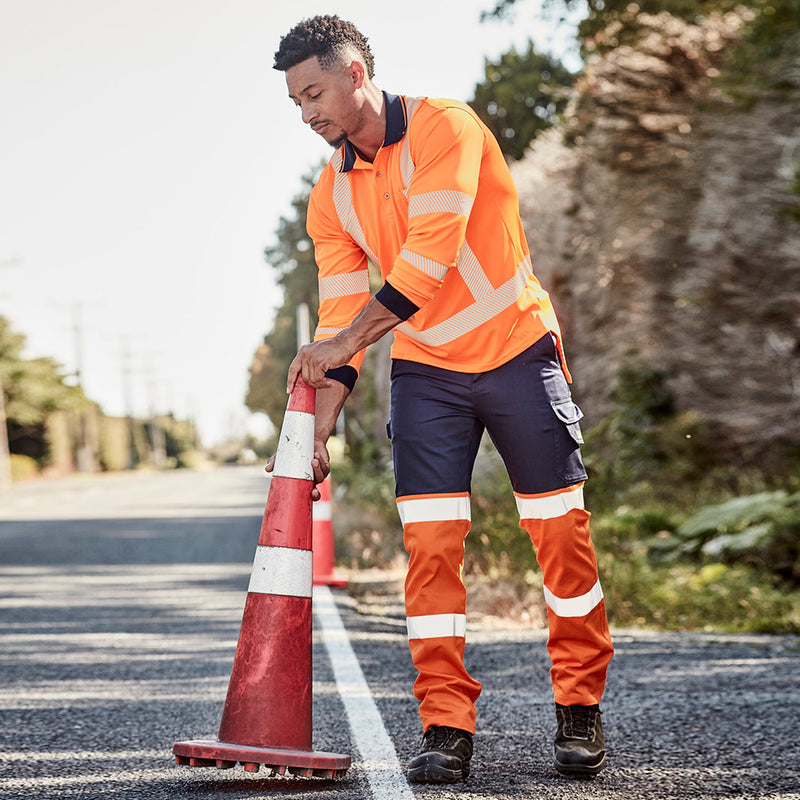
{"x":762,"y":530}
{"x":714,"y":597}
{"x":23,"y":467}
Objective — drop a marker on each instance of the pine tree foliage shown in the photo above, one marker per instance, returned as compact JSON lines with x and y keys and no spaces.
{"x":522,"y":94}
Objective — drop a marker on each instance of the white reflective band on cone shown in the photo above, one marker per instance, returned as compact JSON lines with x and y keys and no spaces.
{"x":574,"y":606}
{"x":295,"y":447}
{"x":281,"y":570}
{"x":321,"y":511}
{"x":431,"y":626}
{"x":556,"y":505}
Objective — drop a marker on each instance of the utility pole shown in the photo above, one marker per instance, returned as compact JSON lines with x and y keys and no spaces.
{"x":304,"y":337}
{"x":85,"y":457}
{"x":157,"y":438}
{"x":126,"y":393}
{"x":303,"y":325}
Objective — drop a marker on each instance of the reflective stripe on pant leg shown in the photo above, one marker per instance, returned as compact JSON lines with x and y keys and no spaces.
{"x":579,"y":642}
{"x":434,"y":529}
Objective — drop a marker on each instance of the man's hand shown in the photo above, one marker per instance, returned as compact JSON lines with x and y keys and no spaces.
{"x":320,"y":465}
{"x":315,"y":359}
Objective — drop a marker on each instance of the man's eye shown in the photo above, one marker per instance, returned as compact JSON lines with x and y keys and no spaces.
{"x":315,"y":96}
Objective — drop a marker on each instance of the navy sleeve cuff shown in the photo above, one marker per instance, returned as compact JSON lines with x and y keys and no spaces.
{"x":396,"y":302}
{"x":346,"y":375}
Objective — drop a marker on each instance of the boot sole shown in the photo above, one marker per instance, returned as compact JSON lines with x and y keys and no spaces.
{"x":431,"y":772}
{"x":580,"y":770}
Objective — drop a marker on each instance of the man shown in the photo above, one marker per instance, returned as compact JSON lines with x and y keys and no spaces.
{"x":419,"y":187}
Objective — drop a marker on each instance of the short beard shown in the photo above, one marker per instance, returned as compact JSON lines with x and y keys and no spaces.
{"x":338,"y":142}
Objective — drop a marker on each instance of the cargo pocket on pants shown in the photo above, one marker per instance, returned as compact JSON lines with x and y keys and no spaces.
{"x":569,"y":465}
{"x":570,"y":415}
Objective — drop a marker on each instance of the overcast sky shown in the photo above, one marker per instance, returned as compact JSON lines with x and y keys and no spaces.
{"x":147,"y":152}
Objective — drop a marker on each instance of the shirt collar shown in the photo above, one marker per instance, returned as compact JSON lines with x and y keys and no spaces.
{"x":395,"y":128}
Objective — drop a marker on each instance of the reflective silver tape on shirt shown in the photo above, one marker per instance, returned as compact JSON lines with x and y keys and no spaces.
{"x":443,"y":201}
{"x":471,"y":272}
{"x":484,"y":308}
{"x":432,"y":626}
{"x":407,"y":166}
{"x":343,"y":203}
{"x":281,"y":570}
{"x":423,"y":264}
{"x":550,"y":507}
{"x":343,"y":285}
{"x":574,"y":606}
{"x":295,"y":447}
{"x":434,"y":509}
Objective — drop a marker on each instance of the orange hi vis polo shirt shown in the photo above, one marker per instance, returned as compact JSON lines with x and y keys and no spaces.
{"x":437,"y":213}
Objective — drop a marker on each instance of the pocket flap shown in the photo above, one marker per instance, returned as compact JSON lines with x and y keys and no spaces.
{"x":567,"y":411}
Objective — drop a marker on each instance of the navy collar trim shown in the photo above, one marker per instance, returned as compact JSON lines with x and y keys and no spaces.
{"x":395,"y":128}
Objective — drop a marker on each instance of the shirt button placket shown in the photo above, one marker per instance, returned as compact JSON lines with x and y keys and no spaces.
{"x":379,"y":174}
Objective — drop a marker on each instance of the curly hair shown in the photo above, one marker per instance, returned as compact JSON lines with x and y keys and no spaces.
{"x":327,"y":37}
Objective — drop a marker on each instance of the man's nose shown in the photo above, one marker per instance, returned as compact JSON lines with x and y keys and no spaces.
{"x":308,"y":111}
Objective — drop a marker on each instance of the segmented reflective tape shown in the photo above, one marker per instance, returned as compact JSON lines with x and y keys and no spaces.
{"x":430,"y":267}
{"x":442,"y":201}
{"x":343,"y":203}
{"x":550,"y":506}
{"x":574,"y":606}
{"x":295,"y":447}
{"x":281,"y":570}
{"x":434,"y":509}
{"x":472,"y":316}
{"x":343,"y":285}
{"x":432,"y":626}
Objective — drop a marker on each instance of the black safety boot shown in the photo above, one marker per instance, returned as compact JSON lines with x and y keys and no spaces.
{"x":579,"y":748}
{"x":443,"y":757}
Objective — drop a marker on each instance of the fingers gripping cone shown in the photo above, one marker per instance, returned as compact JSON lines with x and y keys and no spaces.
{"x":267,"y":714}
{"x":324,"y":573}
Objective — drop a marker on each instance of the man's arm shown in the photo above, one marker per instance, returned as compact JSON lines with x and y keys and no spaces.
{"x":314,"y":360}
{"x":329,"y":402}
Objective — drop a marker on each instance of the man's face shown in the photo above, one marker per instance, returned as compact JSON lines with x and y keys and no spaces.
{"x":327,"y":98}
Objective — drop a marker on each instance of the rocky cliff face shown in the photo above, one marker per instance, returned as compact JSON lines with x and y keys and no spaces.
{"x":665,"y":220}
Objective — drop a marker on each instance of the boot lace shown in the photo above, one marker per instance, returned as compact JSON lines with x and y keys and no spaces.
{"x":438,"y":737}
{"x":580,"y":721}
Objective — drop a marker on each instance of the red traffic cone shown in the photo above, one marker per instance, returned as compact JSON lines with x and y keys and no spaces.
{"x":324,"y":573}
{"x":267,"y":714}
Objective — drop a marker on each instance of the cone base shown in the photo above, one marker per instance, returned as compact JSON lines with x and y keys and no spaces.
{"x":224,"y":755}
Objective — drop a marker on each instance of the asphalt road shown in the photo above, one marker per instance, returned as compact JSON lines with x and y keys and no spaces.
{"x":121,"y":599}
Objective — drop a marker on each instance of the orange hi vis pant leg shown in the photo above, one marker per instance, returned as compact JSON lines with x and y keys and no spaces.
{"x":437,"y":420}
{"x":579,"y":641}
{"x":434,"y":531}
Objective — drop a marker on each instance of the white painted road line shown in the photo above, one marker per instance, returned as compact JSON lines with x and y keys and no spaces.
{"x":378,"y":757}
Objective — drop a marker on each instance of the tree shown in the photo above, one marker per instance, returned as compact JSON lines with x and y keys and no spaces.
{"x":773,"y":19}
{"x":292,"y":258}
{"x":33,"y":389}
{"x":521,"y":96}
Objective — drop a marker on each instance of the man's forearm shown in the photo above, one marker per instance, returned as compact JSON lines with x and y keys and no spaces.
{"x":315,"y":359}
{"x":330,"y":400}
{"x":372,"y":323}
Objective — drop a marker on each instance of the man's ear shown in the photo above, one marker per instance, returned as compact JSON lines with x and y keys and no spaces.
{"x":357,"y":73}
